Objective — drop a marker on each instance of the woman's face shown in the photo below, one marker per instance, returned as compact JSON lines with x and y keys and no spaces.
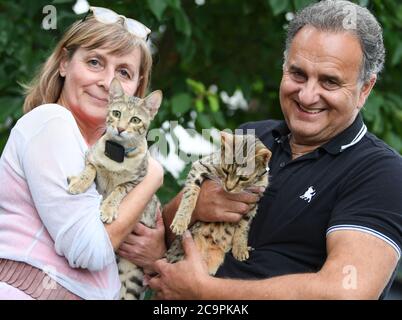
{"x":87,"y":78}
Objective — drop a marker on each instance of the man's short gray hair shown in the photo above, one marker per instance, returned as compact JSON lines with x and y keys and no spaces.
{"x":344,"y":16}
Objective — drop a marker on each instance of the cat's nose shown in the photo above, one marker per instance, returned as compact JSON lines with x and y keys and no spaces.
{"x":120,"y":130}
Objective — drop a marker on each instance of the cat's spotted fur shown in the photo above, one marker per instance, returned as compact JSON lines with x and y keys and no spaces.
{"x":241,"y":164}
{"x":127,"y":123}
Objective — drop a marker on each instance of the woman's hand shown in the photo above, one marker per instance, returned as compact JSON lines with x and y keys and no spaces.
{"x":216,"y":204}
{"x":145,"y":245}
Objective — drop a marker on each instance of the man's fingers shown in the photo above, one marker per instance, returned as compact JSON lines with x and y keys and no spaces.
{"x":228,"y":216}
{"x":160,"y":264}
{"x":190,"y":250}
{"x":246,"y":197}
{"x":236,"y":207}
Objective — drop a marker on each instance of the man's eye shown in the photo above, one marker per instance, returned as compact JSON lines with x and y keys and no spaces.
{"x":330,"y":84}
{"x":298,"y":76}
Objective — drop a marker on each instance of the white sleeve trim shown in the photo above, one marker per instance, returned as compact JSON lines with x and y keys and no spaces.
{"x":369,"y":231}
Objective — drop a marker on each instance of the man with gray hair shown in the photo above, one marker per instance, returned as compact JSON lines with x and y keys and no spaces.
{"x":329,"y":226}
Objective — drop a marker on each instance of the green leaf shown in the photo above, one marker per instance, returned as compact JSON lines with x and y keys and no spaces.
{"x":181,"y":103}
{"x":397,"y":56}
{"x":372,"y":107}
{"x":278,"y":6}
{"x":176,"y":4}
{"x":213,"y":102}
{"x":300,"y":4}
{"x":157,"y":7}
{"x":203,"y":121}
{"x":181,"y":22}
{"x":199,"y":105}
{"x":394,"y":141}
{"x":196,"y":86}
{"x":62,"y":1}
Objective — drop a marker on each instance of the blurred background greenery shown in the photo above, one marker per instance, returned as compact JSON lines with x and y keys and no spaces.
{"x":218,"y":62}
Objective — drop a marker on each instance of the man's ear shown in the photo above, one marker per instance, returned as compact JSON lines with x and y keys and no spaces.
{"x":64,"y":62}
{"x":365,"y":90}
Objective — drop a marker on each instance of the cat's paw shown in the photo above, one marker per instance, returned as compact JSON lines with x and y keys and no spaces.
{"x":75,"y":185}
{"x":107,"y":213}
{"x":240,"y":252}
{"x":178,"y":226}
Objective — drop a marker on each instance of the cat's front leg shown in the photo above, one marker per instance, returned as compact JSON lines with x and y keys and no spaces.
{"x":81,"y":183}
{"x":183,"y":215}
{"x":240,"y":249}
{"x":109,"y":207}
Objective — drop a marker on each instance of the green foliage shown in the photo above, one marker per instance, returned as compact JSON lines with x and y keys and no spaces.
{"x":229,"y":44}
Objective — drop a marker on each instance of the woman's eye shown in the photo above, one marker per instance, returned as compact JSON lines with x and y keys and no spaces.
{"x":93,"y":62}
{"x":135,"y":120}
{"x":116,"y":113}
{"x":125,"y":73}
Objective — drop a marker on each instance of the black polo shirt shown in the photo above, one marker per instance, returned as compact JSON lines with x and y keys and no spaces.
{"x":354,"y":182}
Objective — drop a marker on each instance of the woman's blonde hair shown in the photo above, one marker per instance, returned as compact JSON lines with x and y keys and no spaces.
{"x":90,"y":34}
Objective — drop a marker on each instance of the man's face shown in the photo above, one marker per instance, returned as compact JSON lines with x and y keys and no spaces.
{"x":320,"y":92}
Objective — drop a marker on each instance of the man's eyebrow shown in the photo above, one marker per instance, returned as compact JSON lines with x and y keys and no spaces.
{"x":330,"y":77}
{"x":295,"y":68}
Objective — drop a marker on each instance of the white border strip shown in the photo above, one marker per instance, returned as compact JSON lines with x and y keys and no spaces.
{"x":367,"y":230}
{"x":359,"y":136}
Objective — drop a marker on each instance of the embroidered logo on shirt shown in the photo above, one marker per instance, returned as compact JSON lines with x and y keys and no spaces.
{"x":309,"y":194}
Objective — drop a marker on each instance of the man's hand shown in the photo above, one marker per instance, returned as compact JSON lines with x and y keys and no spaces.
{"x":215,"y":204}
{"x":184,"y":279}
{"x":145,"y":245}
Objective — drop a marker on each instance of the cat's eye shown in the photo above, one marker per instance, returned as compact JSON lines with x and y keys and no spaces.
{"x":242,"y":178}
{"x":135,"y":120}
{"x":116,"y":113}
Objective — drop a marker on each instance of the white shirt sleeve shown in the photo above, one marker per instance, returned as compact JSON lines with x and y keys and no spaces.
{"x":54,"y":152}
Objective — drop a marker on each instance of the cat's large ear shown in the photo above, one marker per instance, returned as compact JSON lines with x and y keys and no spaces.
{"x":115,"y":90}
{"x":262,"y":154}
{"x":226,"y":147}
{"x":153,"y":102}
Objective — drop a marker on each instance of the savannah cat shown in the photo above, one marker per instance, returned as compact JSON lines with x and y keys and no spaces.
{"x":214,"y":239}
{"x":118,"y":162}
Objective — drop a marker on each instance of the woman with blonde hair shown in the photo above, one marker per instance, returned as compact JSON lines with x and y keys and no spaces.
{"x":53,"y":245}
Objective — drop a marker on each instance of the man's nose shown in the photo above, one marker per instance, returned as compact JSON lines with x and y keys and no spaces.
{"x":308,"y":95}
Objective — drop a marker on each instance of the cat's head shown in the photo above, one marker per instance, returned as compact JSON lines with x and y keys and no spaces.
{"x":129,"y":117}
{"x":244,"y":161}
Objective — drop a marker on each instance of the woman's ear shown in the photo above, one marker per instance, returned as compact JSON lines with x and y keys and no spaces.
{"x":64,"y":61}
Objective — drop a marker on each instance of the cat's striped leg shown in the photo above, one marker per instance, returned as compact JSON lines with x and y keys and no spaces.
{"x":81,"y":183}
{"x":240,"y":249}
{"x":183,"y":215}
{"x":109,"y":206}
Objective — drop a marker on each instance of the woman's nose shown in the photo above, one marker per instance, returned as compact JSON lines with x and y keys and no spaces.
{"x":106,"y":78}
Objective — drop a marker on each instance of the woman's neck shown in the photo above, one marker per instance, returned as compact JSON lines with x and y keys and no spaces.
{"x":91,"y":131}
